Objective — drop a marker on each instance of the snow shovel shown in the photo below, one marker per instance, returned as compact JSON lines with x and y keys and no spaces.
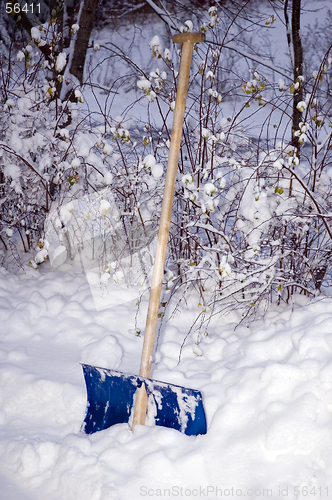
{"x":114,"y":397}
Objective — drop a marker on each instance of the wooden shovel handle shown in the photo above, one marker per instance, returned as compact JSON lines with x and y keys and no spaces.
{"x":187,"y":40}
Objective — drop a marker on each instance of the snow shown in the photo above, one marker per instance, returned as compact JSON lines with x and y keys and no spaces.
{"x":36,"y":34}
{"x":104,"y":207}
{"x":76,"y":163}
{"x":149,"y":161}
{"x":301,"y":106}
{"x":11,"y":170}
{"x":75,"y":28}
{"x":188,"y":27}
{"x":57,"y":255}
{"x":157,"y":169}
{"x":266,"y":391}
{"x":155,"y":45}
{"x":106,"y":353}
{"x":144,"y":84}
{"x":209,"y":189}
{"x":79,"y":96}
{"x":61,"y":61}
{"x":20,"y":56}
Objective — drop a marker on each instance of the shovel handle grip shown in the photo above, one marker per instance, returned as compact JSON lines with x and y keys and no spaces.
{"x":189,"y":37}
{"x":187,"y":40}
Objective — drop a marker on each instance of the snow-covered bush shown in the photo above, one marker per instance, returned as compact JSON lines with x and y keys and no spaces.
{"x":251,"y":211}
{"x":250,"y":219}
{"x":48,"y":150}
{"x":34,"y":145}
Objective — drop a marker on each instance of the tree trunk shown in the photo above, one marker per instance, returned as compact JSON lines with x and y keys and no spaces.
{"x":70,"y":11}
{"x":297,"y":70}
{"x":85,"y":22}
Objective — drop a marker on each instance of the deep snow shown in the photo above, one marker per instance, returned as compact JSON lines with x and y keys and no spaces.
{"x":267,"y":393}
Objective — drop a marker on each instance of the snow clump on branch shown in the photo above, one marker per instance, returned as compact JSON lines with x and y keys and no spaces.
{"x":74,"y":29}
{"x":61,"y":61}
{"x":187,"y":28}
{"x":155,"y":46}
{"x":150,"y":163}
{"x":36,"y":34}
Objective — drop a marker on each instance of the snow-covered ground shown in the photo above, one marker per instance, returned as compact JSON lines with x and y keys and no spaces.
{"x":267,"y":392}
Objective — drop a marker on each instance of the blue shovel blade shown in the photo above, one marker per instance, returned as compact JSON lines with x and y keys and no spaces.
{"x":111,"y":393}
